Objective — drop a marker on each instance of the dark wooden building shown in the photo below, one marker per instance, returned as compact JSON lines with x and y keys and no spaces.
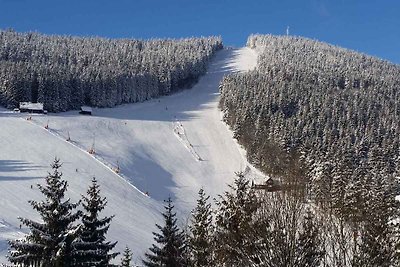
{"x":85,"y":110}
{"x":31,"y":107}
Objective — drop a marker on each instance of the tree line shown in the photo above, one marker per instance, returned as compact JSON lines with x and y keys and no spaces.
{"x":325,"y":119}
{"x":67,"y":72}
{"x":242,"y":227}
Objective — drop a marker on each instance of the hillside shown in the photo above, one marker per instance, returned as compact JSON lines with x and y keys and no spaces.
{"x":315,"y":99}
{"x":65,"y":72}
{"x":324,"y":121}
{"x":321,"y":121}
{"x":143,"y":139}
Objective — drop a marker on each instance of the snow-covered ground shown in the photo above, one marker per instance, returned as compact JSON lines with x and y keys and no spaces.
{"x":169,"y":146}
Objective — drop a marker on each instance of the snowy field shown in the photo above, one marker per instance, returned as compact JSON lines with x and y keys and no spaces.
{"x":169,"y":146}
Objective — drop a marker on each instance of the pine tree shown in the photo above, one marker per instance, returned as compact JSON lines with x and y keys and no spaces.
{"x":378,"y":234}
{"x":308,"y":249}
{"x":49,"y":242}
{"x":235,"y":224}
{"x":92,"y":249}
{"x":342,"y":173}
{"x":126,"y":258}
{"x":171,"y":249}
{"x":201,"y":232}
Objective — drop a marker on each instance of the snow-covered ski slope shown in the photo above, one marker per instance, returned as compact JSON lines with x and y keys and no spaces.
{"x":169,"y":146}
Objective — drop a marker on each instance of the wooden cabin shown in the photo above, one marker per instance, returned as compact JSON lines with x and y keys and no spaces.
{"x":269,"y":185}
{"x":85,"y":110}
{"x":31,"y":107}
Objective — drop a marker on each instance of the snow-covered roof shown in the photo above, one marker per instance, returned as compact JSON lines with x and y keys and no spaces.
{"x":86,"y":109}
{"x":31,"y":106}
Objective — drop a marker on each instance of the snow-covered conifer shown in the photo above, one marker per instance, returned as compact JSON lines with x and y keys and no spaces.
{"x":201,"y":232}
{"x":126,"y":258}
{"x":170,"y":250}
{"x":234,"y":224}
{"x":50,"y":241}
{"x":309,"y":248}
{"x":92,"y":249}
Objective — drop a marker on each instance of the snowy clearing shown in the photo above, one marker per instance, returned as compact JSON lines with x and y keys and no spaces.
{"x":169,"y":146}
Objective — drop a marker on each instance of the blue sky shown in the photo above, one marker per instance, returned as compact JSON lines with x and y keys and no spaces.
{"x":369,"y":26}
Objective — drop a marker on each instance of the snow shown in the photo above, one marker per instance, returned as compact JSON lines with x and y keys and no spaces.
{"x":171,"y":146}
{"x":31,"y":106}
{"x":86,"y":109}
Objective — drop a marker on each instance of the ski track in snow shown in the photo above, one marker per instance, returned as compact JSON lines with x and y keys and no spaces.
{"x":143,"y":139}
{"x":95,"y":156}
{"x":180,"y":133}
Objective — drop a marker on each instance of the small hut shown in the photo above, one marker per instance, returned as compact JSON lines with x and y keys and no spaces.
{"x":272,"y":185}
{"x":268,"y":185}
{"x":85,"y":110}
{"x":31,"y":107}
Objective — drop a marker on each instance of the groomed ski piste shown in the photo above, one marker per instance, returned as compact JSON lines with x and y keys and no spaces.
{"x":144,"y":153}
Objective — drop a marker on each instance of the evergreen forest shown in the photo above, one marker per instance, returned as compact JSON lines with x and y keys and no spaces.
{"x":65,"y":72}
